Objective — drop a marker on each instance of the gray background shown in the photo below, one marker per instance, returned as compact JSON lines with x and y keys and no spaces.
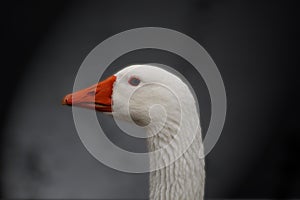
{"x":251,"y":43}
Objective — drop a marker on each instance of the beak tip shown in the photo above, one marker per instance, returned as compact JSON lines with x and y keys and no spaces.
{"x":66,"y":100}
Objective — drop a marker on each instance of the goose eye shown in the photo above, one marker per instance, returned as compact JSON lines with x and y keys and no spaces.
{"x":134,"y":81}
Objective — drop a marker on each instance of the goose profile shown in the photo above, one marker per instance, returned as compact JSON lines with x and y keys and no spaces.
{"x":130,"y":95}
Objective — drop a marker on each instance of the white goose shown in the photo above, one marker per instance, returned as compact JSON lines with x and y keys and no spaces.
{"x":139,"y":87}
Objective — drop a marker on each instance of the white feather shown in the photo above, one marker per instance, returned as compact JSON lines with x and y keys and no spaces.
{"x":174,"y":119}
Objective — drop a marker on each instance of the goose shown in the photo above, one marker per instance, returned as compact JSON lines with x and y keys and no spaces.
{"x":130,"y":95}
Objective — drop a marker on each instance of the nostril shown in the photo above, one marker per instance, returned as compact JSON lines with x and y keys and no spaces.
{"x":92,"y":93}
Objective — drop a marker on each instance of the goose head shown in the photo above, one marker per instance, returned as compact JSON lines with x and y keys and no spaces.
{"x":139,"y":93}
{"x":161,"y":102}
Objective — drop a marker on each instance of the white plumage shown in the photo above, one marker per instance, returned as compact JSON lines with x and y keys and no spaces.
{"x":183,"y":179}
{"x":161,"y":102}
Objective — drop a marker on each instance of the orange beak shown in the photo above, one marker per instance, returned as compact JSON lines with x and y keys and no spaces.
{"x":96,"y":97}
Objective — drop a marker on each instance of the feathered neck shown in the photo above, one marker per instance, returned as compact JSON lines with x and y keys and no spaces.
{"x":184,"y":178}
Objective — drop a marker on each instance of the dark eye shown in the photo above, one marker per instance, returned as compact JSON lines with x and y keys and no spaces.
{"x":134,"y":81}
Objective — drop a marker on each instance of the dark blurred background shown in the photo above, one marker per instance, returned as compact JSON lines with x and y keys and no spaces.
{"x":253,"y":44}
